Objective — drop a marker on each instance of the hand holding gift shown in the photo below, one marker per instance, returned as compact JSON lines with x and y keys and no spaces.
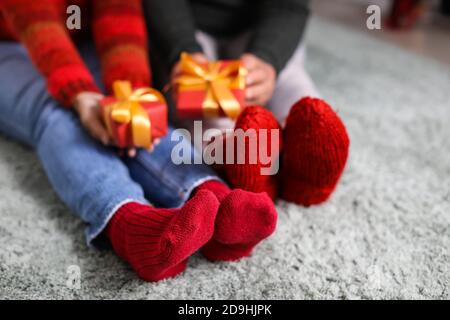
{"x":260,"y":80}
{"x":134,"y":118}
{"x":208,"y":90}
{"x":86,"y":104}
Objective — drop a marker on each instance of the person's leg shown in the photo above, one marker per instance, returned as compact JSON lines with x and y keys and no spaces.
{"x":93,"y":181}
{"x":244,"y":176}
{"x":293,"y":83}
{"x":169,"y":184}
{"x":244,"y":218}
{"x":311,"y":171}
{"x":166,"y":178}
{"x":315,"y":140}
{"x":247,"y":176}
{"x":78,"y":168}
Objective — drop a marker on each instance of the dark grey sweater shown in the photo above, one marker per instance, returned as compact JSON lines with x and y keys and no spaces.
{"x":276,"y":25}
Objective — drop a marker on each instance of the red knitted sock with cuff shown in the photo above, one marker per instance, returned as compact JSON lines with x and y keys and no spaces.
{"x":316,"y":148}
{"x":248,"y":176}
{"x":158,"y":242}
{"x":244,"y":220}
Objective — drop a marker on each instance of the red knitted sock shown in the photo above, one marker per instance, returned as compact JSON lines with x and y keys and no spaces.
{"x":157,"y":242}
{"x":316,"y":150}
{"x":244,"y":220}
{"x":248,"y":176}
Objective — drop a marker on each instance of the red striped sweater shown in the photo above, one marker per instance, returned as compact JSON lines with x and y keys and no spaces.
{"x":119,"y":34}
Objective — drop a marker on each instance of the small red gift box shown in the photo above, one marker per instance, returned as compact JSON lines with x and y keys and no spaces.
{"x":134,"y":118}
{"x":209,"y":90}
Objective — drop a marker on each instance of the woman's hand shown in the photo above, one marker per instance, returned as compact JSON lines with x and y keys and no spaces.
{"x":260,"y":80}
{"x":87,"y":106}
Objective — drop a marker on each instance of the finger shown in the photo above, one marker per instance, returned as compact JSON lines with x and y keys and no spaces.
{"x":106,"y":138}
{"x":199,"y":57}
{"x":153,"y":145}
{"x":258,"y":101}
{"x":255,"y":91}
{"x":97,"y":96}
{"x":258,"y":94}
{"x":249,"y":62}
{"x":90,"y":99}
{"x":255,"y":76}
{"x":98,"y":131}
{"x":132,"y":152}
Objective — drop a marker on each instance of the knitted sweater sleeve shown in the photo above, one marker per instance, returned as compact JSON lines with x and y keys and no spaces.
{"x":41,"y":30}
{"x":172,"y":25}
{"x":121,"y":40}
{"x":279,"y":30}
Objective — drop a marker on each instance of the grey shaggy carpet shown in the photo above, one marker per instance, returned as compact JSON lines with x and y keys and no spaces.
{"x":384,"y":234}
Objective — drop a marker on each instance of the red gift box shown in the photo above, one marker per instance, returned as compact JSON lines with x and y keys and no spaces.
{"x":208,"y":90}
{"x":134,"y":118}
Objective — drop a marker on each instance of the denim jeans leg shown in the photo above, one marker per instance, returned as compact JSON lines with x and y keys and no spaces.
{"x":91,"y":179}
{"x":166,"y":183}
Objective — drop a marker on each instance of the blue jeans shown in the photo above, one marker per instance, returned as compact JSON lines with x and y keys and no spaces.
{"x":91,"y":179}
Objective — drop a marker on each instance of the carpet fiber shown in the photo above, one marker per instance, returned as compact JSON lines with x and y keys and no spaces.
{"x":384,"y":234}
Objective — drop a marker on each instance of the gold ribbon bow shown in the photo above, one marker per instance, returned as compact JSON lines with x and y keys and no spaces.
{"x":129,"y":110}
{"x":217,"y":81}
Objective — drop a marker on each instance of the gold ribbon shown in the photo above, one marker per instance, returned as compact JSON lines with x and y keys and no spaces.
{"x":217,"y":81}
{"x":129,"y":110}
